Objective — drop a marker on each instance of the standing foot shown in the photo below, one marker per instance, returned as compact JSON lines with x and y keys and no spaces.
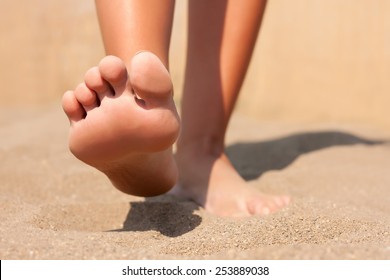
{"x":212,"y":182}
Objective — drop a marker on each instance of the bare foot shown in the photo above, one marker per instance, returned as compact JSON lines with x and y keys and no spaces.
{"x":124,"y":124}
{"x":213,"y":183}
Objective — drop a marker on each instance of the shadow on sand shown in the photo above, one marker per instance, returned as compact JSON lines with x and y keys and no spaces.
{"x":172,"y":218}
{"x":253,"y":159}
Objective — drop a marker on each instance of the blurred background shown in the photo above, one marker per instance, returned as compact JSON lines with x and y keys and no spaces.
{"x":315,"y":60}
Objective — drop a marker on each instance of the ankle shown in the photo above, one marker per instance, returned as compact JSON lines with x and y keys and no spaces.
{"x":201,"y":147}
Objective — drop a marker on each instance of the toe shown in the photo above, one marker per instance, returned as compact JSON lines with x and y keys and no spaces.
{"x":266,"y":204}
{"x":149,"y":78}
{"x":281,"y":201}
{"x":94,"y":81}
{"x":261,"y":209}
{"x":72,"y":107}
{"x":86,"y":97}
{"x":278,"y":202}
{"x":113,"y":70}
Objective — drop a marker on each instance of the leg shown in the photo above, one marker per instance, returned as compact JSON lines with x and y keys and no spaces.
{"x":220,"y":47}
{"x":123,"y":119}
{"x":130,"y":26}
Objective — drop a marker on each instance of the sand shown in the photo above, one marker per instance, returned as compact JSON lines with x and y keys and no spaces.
{"x":306,"y":71}
{"x":54,"y":207}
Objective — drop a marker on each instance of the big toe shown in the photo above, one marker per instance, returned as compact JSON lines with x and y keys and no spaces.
{"x":150,"y":79}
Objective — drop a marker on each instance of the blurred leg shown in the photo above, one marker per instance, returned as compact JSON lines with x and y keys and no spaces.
{"x":221,"y":38}
{"x":222,"y":35}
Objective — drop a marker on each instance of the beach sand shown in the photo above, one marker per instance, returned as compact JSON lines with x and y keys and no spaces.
{"x":55,"y":207}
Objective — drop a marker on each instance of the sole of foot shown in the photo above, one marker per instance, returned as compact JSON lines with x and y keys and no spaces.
{"x":123,"y":121}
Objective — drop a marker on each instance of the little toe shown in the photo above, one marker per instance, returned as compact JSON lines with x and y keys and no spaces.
{"x":94,"y":81}
{"x":113,"y":70}
{"x":277,"y":202}
{"x":86,"y":97}
{"x":282,"y":201}
{"x":72,"y":107}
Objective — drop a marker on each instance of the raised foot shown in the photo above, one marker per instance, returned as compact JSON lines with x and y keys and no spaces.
{"x":213,"y":183}
{"x":124,"y":122}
